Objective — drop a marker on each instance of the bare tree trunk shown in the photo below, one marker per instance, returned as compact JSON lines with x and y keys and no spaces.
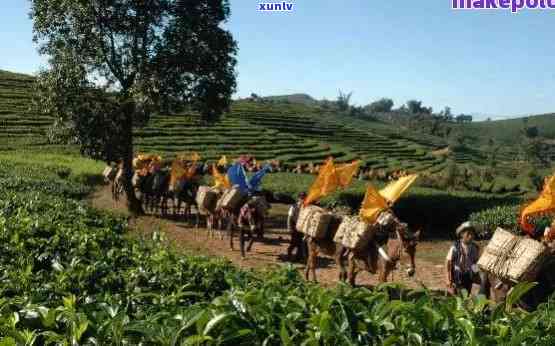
{"x":133,"y":204}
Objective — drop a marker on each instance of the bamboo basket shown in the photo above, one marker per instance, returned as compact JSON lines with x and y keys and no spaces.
{"x":353,"y":233}
{"x":206,"y":199}
{"x":231,"y":199}
{"x":511,"y":257}
{"x":314,"y":221}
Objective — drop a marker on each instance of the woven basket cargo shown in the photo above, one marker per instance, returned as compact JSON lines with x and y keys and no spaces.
{"x":314,"y":221}
{"x":110,"y":173}
{"x":353,"y":233}
{"x":511,"y":257}
{"x":206,"y":199}
{"x":231,"y":199}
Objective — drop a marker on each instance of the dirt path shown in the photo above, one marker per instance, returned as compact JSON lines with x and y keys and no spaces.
{"x":272,"y":251}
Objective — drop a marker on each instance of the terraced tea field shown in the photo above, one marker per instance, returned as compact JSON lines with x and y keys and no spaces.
{"x":290,"y":133}
{"x":17,"y":126}
{"x":378,"y":147}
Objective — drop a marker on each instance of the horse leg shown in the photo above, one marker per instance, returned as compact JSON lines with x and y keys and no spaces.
{"x":308,"y":264}
{"x":339,"y":261}
{"x":231,"y":230}
{"x":242,"y":242}
{"x":351,"y":274}
{"x":251,"y":241}
{"x":314,"y":264}
{"x":197,"y":220}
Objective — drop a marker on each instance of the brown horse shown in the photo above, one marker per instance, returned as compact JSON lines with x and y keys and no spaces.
{"x":405,"y":242}
{"x":249,"y":222}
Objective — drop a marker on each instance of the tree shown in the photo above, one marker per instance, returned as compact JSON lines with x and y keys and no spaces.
{"x":383,"y":105}
{"x":343,"y":101}
{"x":414,"y":107}
{"x":114,"y":62}
{"x":447,"y":112}
{"x":531,"y":132}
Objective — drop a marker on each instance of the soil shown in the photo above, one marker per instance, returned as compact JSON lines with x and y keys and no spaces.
{"x":272,"y":251}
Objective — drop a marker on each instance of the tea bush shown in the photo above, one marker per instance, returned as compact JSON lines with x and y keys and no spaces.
{"x":70,"y":276}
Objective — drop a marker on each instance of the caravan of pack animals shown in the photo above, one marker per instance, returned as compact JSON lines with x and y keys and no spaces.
{"x":375,"y":240}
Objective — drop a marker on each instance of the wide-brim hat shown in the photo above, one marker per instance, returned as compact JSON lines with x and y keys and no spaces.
{"x":466,"y":226}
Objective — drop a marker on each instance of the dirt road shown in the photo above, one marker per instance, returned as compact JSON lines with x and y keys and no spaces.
{"x":272,"y":251}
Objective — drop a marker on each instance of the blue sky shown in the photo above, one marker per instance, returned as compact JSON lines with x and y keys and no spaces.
{"x":489,"y":62}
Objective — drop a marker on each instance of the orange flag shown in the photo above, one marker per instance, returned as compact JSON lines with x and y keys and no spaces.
{"x":346,"y":172}
{"x":220,"y":180}
{"x":326,"y":182}
{"x":543,"y":205}
{"x":330,"y":178}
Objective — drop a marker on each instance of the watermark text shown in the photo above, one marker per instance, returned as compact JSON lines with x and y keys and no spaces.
{"x":513,"y":5}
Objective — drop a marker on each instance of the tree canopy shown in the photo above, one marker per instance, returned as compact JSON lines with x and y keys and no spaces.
{"x":114,"y":62}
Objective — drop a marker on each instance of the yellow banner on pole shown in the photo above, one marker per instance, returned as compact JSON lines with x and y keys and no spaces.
{"x":394,"y":190}
{"x":374,"y":202}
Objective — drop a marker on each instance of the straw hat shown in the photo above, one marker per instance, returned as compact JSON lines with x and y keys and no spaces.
{"x":466,"y":226}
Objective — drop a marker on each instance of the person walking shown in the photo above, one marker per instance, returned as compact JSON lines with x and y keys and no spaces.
{"x":297,"y":243}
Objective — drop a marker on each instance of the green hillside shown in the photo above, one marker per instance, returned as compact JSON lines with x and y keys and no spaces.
{"x":292,"y":133}
{"x":16,"y":124}
{"x":506,"y":131}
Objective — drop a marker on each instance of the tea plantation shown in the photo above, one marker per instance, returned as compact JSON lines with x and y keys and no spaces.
{"x":72,"y":276}
{"x":290,"y":133}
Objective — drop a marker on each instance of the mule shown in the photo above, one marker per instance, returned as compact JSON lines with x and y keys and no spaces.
{"x":250,"y":222}
{"x":185,"y":193}
{"x":367,"y":257}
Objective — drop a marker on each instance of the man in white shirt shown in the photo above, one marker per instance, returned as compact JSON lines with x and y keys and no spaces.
{"x":461,"y":260}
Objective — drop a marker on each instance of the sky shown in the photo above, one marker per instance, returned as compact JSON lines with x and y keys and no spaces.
{"x":486,"y":62}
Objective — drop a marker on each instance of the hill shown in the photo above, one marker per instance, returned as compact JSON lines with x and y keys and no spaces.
{"x":293,"y":133}
{"x":16,"y":124}
{"x":303,"y":99}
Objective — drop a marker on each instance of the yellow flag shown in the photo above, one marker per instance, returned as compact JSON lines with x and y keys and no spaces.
{"x":222,"y":161}
{"x":372,"y":204}
{"x":195,"y":157}
{"x":394,"y":190}
{"x":220,"y":180}
{"x":544,"y":204}
{"x":346,"y":172}
{"x":177,"y":171}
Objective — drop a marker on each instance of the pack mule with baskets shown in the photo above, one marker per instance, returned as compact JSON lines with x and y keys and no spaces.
{"x":513,"y":258}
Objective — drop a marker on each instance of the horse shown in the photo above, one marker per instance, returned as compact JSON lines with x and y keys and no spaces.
{"x":184,"y":192}
{"x":249,"y":223}
{"x":405,"y":241}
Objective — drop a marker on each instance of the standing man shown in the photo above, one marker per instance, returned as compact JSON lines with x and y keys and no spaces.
{"x":462,"y":259}
{"x":296,"y":236}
